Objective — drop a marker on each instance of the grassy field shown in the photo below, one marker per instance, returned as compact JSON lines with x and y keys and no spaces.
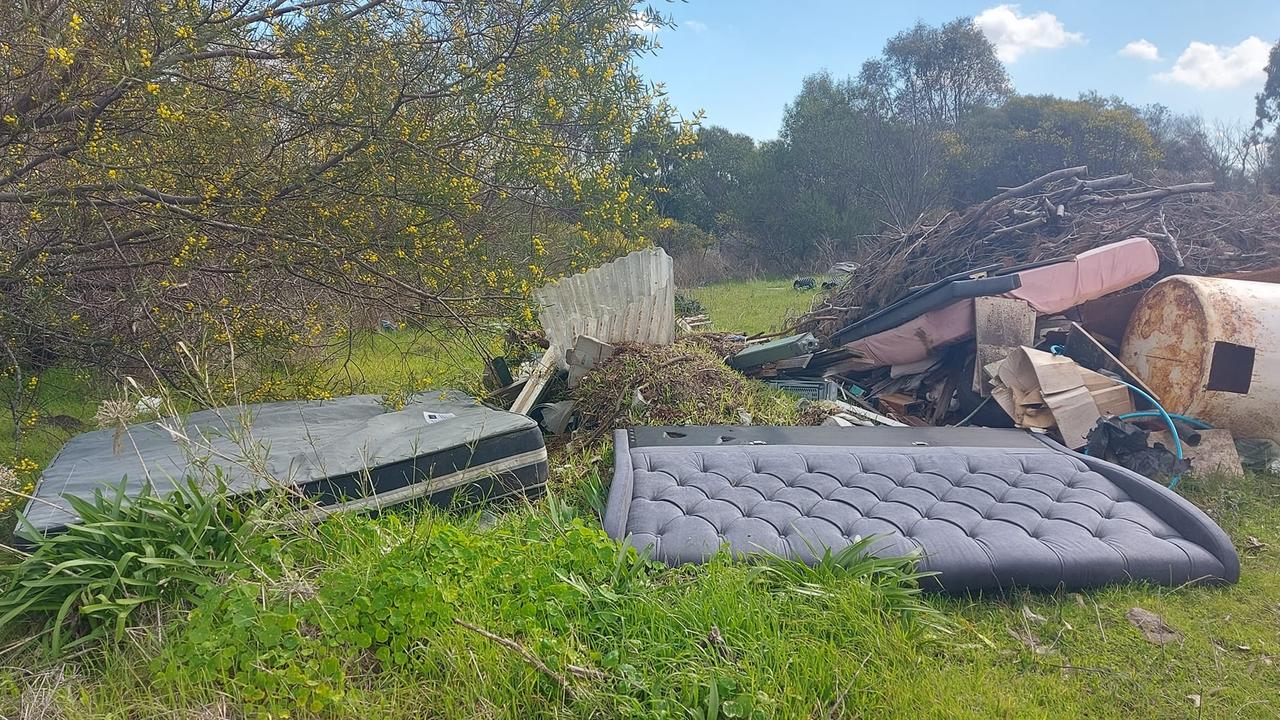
{"x":386,"y":618}
{"x":754,"y":306}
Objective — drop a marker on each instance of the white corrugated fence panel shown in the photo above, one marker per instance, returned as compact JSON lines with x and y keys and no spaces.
{"x":631,"y":299}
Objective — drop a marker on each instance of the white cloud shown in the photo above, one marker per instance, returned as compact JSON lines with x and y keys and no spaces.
{"x":1142,"y":49}
{"x":1015,"y":34}
{"x":1207,"y":67}
{"x":694,"y":25}
{"x":640,"y":23}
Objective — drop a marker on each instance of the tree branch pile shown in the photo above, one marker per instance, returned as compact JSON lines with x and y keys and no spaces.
{"x":1195,"y":228}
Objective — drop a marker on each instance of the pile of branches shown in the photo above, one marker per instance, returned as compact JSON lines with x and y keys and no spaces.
{"x":1196,"y":229}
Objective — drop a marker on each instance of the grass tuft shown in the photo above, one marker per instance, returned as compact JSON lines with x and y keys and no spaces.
{"x":753,"y":306}
{"x":83,"y":585}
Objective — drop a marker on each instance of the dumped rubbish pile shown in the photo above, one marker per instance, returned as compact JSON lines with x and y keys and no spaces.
{"x":1103,"y":312}
{"x":1078,"y":348}
{"x":1132,"y":321}
{"x":613,"y":359}
{"x":685,"y":383}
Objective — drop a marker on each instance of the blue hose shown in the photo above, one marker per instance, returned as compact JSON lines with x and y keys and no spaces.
{"x":1196,"y":423}
{"x":1173,"y":430}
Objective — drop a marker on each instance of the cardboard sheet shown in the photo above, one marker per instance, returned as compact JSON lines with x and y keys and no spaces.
{"x":1051,"y":392}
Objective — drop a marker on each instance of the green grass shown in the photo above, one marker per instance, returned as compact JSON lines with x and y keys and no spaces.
{"x":379,"y":362}
{"x":720,"y":640}
{"x":723,"y":639}
{"x":753,"y":306}
{"x":61,"y":392}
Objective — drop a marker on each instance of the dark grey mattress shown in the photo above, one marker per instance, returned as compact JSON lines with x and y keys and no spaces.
{"x":984,"y":508}
{"x":343,"y":454}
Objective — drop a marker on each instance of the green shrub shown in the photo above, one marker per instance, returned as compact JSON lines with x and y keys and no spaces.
{"x":688,"y":305}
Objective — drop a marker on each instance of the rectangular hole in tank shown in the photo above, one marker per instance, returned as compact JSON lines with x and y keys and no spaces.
{"x":1231,"y":369}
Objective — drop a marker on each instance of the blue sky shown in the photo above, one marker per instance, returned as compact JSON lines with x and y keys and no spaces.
{"x":742,"y":60}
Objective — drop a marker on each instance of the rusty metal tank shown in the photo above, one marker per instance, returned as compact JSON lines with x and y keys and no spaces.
{"x":1210,"y":348}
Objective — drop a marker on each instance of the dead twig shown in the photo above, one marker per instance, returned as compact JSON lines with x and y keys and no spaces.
{"x":1086,"y":668}
{"x":577,"y":671}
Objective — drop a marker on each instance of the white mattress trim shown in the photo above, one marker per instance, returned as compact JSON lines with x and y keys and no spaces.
{"x":416,"y":490}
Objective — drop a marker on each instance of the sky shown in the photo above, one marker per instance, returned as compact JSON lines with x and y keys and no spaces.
{"x":742,"y":61}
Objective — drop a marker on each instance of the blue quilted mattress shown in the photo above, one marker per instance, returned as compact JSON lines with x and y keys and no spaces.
{"x":983,"y":508}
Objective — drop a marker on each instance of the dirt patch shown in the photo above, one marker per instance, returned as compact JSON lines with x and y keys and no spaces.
{"x":1152,"y":626}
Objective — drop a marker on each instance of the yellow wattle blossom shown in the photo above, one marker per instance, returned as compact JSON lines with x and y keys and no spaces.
{"x":442,"y":169}
{"x":62,"y":56}
{"x":167,"y":113}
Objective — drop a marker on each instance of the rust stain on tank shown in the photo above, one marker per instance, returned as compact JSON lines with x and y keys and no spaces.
{"x":1167,"y":329}
{"x":1238,"y":321}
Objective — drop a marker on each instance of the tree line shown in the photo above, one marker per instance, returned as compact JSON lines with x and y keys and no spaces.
{"x":931,"y":123}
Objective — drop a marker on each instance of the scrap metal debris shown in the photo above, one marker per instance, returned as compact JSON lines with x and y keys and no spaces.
{"x":791,"y":350}
{"x":631,"y":299}
{"x":1208,"y":451}
{"x":1208,"y":346}
{"x":1017,"y":312}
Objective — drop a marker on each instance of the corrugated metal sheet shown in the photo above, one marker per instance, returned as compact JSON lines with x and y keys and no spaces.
{"x":631,"y":299}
